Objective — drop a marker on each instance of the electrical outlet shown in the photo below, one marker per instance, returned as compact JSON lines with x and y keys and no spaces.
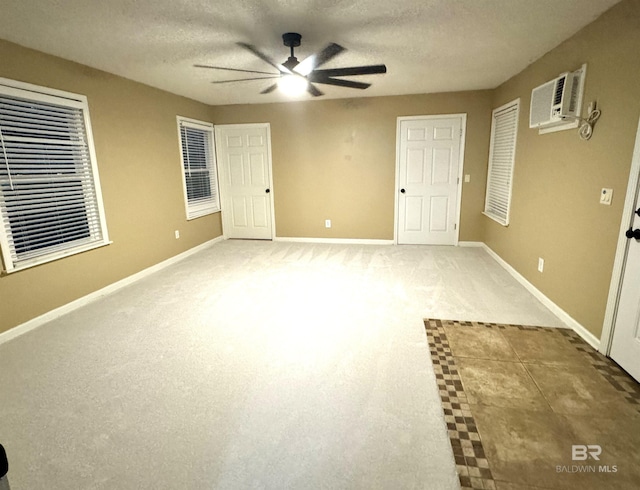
{"x":605,"y":196}
{"x":327,"y":223}
{"x":540,"y":264}
{"x":177,"y":234}
{"x":467,"y":178}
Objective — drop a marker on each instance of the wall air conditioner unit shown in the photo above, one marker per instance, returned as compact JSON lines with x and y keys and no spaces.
{"x":555,"y":105}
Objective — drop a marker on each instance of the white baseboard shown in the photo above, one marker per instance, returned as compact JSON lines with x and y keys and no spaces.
{"x":471,"y":244}
{"x":349,"y":241}
{"x":587,"y":336}
{"x":62,"y":310}
{"x":84,"y":300}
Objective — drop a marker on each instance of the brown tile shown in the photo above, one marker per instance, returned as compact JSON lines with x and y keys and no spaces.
{"x":500,"y":384}
{"x":549,"y":347}
{"x":503,"y":485}
{"x":524,"y":447}
{"x":619,"y":439}
{"x":489,"y":484}
{"x":579,"y":390}
{"x":479,"y":342}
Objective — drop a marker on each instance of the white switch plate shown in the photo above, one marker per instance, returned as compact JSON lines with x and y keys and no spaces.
{"x":540,"y":264}
{"x":327,"y":223}
{"x":467,"y":178}
{"x":605,"y":196}
{"x":177,"y":234}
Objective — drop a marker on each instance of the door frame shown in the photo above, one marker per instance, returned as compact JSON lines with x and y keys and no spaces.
{"x":223,"y":181}
{"x":606,"y":339}
{"x":463,"y":127}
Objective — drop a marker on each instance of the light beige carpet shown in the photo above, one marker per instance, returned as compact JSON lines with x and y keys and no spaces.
{"x":251,"y":365}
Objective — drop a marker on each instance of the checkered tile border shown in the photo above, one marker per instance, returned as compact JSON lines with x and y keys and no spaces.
{"x":471,"y":463}
{"x":473,"y":468}
{"x":609,"y":370}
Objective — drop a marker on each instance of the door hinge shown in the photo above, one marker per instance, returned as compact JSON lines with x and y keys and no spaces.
{"x":455,"y":226}
{"x":461,"y":132}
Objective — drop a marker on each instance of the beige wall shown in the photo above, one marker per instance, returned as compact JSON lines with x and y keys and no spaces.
{"x":555,"y":209}
{"x":335,"y":159}
{"x":135,"y":133}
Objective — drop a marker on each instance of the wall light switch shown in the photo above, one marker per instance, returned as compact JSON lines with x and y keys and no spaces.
{"x":605,"y":196}
{"x":467,"y":178}
{"x":327,"y":223}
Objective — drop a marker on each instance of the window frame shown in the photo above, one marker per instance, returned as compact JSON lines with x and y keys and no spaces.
{"x":513,"y":106}
{"x":36,"y":93}
{"x":196,"y":210}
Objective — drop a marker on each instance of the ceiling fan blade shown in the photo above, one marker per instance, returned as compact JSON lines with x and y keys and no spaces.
{"x":341,"y":83}
{"x":245,"y":79}
{"x":270,"y":89}
{"x":310,"y":63}
{"x":233,"y":69}
{"x":264,"y":57}
{"x":313,"y":90}
{"x":351,"y":71}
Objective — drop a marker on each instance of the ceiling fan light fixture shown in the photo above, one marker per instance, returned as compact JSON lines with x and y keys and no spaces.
{"x":294,"y":77}
{"x":293,"y":85}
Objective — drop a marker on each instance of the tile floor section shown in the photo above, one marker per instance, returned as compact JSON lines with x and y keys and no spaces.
{"x":516,"y":399}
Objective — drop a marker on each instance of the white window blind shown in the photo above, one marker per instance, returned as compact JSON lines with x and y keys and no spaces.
{"x":504,"y":130}
{"x":50,"y":203}
{"x":199,"y":170}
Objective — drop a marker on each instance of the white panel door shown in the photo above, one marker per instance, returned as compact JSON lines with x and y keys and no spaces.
{"x":244,"y":159}
{"x":625,"y":347}
{"x":428,"y":167}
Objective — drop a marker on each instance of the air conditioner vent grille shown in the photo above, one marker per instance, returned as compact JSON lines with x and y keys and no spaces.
{"x":557,"y":99}
{"x":575,"y":86}
{"x":540,"y":104}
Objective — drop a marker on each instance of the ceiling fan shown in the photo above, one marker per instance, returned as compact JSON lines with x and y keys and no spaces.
{"x":294,"y":75}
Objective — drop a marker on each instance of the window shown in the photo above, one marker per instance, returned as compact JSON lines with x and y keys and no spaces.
{"x":504,"y":129}
{"x":50,"y":200}
{"x":199,"y":169}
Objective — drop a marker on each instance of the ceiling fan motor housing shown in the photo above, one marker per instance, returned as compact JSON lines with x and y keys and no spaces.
{"x":291,"y":39}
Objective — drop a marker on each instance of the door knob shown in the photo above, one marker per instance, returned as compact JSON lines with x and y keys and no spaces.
{"x":402,"y":190}
{"x":268,"y":191}
{"x":638,"y":211}
{"x":631,"y":233}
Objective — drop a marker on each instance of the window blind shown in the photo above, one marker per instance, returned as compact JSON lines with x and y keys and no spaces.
{"x":198,"y":162}
{"x":49,"y":202}
{"x":504,"y":130}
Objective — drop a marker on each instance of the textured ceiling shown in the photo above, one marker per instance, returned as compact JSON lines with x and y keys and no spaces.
{"x":427,"y":45}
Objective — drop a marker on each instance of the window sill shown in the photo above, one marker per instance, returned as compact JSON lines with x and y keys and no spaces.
{"x":200,"y":214}
{"x":27,"y":264}
{"x":497,"y":220}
